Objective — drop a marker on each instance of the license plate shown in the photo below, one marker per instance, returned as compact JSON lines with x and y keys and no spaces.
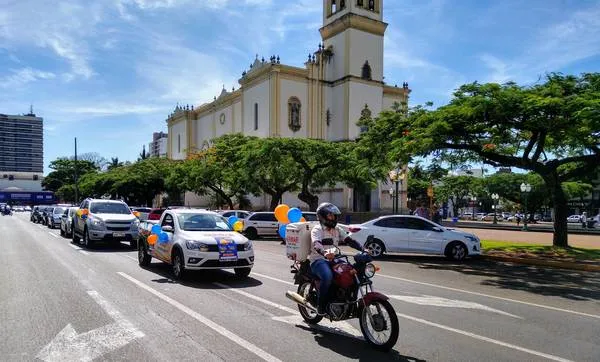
{"x":118,"y":235}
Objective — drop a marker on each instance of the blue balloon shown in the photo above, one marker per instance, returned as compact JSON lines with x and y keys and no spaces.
{"x":163,"y":237}
{"x":282,"y":231}
{"x":232,"y":219}
{"x":294,"y":214}
{"x":156,"y":229}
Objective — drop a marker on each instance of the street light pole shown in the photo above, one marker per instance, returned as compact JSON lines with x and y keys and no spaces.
{"x":525,"y":189}
{"x":495,"y":197}
{"x":474,"y":202}
{"x":396,"y":176}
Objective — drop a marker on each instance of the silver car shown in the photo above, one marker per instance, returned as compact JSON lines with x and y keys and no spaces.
{"x":66,"y":222}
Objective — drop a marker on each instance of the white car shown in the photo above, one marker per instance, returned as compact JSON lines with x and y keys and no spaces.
{"x":574,"y":219}
{"x":414,"y":234}
{"x":196,"y":240}
{"x":259,"y":224}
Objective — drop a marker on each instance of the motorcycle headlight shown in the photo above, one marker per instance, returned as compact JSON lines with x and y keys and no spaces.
{"x":370,"y":270}
{"x":195,"y":245}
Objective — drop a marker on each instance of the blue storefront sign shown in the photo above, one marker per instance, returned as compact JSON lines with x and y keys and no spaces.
{"x":30,"y":198}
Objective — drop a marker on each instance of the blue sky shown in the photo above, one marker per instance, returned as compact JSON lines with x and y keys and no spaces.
{"x":110,"y":71}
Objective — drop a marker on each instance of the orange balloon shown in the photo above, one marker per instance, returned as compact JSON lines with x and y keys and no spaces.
{"x":303,"y":219}
{"x":85,"y":212}
{"x":152,"y":239}
{"x":281,"y":212}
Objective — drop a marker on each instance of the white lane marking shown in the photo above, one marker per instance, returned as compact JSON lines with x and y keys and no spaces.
{"x":130,"y":257}
{"x":448,"y":303}
{"x":275,"y":279}
{"x":207,"y":322}
{"x":79,"y":249}
{"x":53,"y":234}
{"x":485,"y":339}
{"x":70,"y":346}
{"x":492,"y":296}
{"x":338,"y":327}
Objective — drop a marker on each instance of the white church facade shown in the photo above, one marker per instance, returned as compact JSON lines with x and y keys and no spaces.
{"x":324,"y":99}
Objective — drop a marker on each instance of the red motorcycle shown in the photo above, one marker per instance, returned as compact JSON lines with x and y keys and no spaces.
{"x":351,"y":296}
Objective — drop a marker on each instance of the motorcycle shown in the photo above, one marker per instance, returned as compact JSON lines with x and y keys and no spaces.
{"x":351,"y":296}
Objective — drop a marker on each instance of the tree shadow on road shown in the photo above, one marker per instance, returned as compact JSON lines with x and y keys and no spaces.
{"x":569,"y":284}
{"x":352,"y":347}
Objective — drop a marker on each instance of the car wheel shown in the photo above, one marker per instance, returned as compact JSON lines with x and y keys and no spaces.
{"x":251,"y":233}
{"x":74,"y":237}
{"x":62,"y":232}
{"x":456,"y":251}
{"x":242,"y":272}
{"x":376,"y":248}
{"x":144,"y":258}
{"x":178,"y":265}
{"x":86,"y":240}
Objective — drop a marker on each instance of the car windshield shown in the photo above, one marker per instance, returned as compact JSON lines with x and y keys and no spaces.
{"x":59,"y":210}
{"x":109,"y":208}
{"x":202,"y":222}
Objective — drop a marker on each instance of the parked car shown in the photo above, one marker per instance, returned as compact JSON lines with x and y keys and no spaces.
{"x":143,"y":212}
{"x":414,"y":234}
{"x":197,"y":240}
{"x":155,"y":214}
{"x":240,"y":214}
{"x":54,"y":215}
{"x":574,"y":219}
{"x":260,"y":224}
{"x":66,"y":222}
{"x":106,"y":220}
{"x":490,"y":217}
{"x":467,"y":216}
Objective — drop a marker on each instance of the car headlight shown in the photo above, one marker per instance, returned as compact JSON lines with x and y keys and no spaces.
{"x":249,"y":245}
{"x":97,"y":224}
{"x":471,"y":238}
{"x":196,"y":245}
{"x":135,"y":224}
{"x":370,"y":270}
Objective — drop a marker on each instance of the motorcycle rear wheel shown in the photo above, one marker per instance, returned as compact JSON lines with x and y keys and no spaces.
{"x":382,"y":332}
{"x":308,"y":315}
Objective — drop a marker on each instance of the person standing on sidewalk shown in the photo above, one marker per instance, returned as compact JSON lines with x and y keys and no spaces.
{"x":584,"y":220}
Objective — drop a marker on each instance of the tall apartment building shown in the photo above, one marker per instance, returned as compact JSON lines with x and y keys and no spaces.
{"x":21,"y":144}
{"x":158,"y":146}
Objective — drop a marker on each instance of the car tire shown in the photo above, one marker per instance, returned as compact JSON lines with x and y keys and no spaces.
{"x":62,"y":232}
{"x":144,"y":258}
{"x":178,"y":265}
{"x":456,"y":251}
{"x":242,"y":272}
{"x":86,"y":239}
{"x":74,"y":237}
{"x":251,"y":234}
{"x":376,"y":248}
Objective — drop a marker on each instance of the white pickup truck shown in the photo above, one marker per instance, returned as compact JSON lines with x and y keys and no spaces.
{"x":190,"y":239}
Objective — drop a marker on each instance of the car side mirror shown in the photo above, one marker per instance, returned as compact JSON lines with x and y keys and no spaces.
{"x":167,"y":229}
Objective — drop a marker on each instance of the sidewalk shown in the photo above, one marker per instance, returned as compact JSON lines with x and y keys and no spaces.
{"x":532,"y":237}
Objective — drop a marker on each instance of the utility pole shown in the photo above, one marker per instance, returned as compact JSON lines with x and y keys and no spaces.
{"x":76,"y":176}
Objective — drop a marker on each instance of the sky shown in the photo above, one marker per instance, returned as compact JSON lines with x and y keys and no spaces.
{"x":110,"y":71}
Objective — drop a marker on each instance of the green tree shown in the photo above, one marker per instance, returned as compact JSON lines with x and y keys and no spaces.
{"x":114,"y":163}
{"x":457,"y":190}
{"x":551,"y":128}
{"x":64,"y":172}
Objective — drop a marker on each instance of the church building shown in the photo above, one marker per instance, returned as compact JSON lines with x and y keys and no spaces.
{"x":340,"y":81}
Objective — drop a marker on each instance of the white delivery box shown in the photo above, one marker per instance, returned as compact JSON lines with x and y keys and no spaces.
{"x":297,"y":240}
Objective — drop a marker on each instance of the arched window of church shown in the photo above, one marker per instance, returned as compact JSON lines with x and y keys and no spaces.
{"x":294,"y":113}
{"x":178,"y":143}
{"x":255,"y":116}
{"x":333,"y":7}
{"x":366,"y":71}
{"x":360,"y":3}
{"x":372,"y":5}
{"x":342,"y":4}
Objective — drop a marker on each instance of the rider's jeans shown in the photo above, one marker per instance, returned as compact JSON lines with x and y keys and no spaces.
{"x":322,"y":270}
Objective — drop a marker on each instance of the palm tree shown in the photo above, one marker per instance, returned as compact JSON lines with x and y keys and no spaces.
{"x":114,"y":163}
{"x":143,"y":155}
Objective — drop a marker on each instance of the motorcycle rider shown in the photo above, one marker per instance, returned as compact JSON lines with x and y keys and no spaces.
{"x":325,"y":235}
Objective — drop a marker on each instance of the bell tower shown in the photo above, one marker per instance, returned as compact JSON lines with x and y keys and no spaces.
{"x":352,"y":34}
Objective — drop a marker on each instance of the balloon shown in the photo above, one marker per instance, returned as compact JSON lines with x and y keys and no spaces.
{"x":281,"y":212}
{"x":85,"y":211}
{"x":302,"y":219}
{"x":163,"y":237}
{"x":156,"y":229}
{"x":238,"y":226}
{"x":79,"y":213}
{"x":83,"y":217}
{"x":152,"y":239}
{"x":232,"y":220}
{"x":294,"y":214}
{"x":282,"y":231}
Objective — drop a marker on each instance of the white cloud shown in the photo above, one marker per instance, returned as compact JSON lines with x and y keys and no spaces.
{"x":500,"y":71}
{"x":24,"y":76}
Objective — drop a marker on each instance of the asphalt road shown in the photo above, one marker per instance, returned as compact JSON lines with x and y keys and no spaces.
{"x":61,"y":302}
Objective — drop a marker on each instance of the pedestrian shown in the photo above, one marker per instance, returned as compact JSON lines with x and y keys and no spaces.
{"x":422,"y":212}
{"x":518,"y":217}
{"x":435,"y":215}
{"x":584,"y":220}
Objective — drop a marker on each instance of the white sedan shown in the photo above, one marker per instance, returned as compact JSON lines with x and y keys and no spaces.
{"x":414,"y":234}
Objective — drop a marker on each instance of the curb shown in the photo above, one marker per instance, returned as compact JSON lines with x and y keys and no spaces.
{"x":554,"y":264}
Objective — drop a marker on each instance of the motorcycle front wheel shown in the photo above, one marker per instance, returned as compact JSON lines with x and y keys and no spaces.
{"x":307,"y":291}
{"x":381,"y":332}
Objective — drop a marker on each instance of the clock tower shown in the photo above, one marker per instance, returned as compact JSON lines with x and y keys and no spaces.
{"x":352,"y":34}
